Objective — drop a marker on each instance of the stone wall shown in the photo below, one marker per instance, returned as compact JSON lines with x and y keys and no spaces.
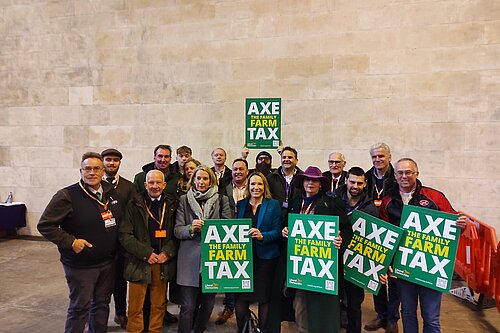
{"x":420,"y":75}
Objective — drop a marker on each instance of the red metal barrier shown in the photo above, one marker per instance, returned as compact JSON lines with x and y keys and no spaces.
{"x":477,"y":254}
{"x":495,"y":267}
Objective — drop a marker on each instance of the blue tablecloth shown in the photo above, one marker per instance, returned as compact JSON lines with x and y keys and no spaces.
{"x":12,"y":216}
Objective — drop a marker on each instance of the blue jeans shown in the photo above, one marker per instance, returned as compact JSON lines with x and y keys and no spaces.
{"x":89,"y":296}
{"x":387,"y":302}
{"x":430,"y":306}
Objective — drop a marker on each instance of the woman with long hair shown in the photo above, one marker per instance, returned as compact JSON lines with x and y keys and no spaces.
{"x":265,"y":232}
{"x":200,"y":203}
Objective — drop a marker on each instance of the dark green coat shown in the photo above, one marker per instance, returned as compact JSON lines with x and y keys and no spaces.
{"x":134,"y":237}
{"x":323,"y":309}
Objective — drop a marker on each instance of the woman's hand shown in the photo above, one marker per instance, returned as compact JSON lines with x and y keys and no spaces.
{"x":284,"y":232}
{"x":255,"y":233}
{"x":197,"y":225}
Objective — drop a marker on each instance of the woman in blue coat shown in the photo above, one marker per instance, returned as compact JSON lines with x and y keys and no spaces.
{"x":266,"y":225}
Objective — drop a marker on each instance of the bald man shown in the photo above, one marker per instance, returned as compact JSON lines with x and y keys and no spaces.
{"x":147,"y":236}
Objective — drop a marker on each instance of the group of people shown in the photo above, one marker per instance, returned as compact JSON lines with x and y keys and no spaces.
{"x":109,"y":231}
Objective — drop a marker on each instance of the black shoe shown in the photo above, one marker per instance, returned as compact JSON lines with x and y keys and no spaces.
{"x":169,"y":318}
{"x":121,"y":320}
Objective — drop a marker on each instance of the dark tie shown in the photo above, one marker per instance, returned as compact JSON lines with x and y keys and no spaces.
{"x":110,"y":180}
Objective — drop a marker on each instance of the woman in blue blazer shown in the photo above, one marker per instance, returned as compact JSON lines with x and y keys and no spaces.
{"x":266,"y":226}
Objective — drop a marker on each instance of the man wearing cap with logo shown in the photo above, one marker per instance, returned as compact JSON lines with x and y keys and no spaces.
{"x":82,"y":220}
{"x":126,"y":190}
{"x":335,"y":173}
{"x":147,"y":236}
{"x":379,"y":179}
{"x":318,"y":312}
{"x":410,"y":191}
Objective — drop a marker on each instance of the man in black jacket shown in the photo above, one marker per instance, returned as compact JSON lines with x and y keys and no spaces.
{"x":162,"y":159}
{"x":354,"y":195}
{"x":379,"y":180}
{"x":126,"y":190}
{"x":82,"y":220}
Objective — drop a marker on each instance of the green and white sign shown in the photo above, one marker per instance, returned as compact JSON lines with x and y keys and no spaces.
{"x":372,"y":247}
{"x":312,"y":257}
{"x":226,"y":256}
{"x":263,"y":123}
{"x":427,"y":252}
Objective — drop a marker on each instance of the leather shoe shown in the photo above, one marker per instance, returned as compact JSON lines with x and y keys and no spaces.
{"x":392,"y":328}
{"x":224,"y":316}
{"x":170,"y":318}
{"x":375,"y":324}
{"x":121,"y":320}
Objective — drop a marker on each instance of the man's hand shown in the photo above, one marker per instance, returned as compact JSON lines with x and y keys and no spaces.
{"x":162,"y":257}
{"x":337,"y":242}
{"x":79,"y":244}
{"x":284,"y":232}
{"x":462,"y":221}
{"x":153,"y":258}
{"x":244,"y":152}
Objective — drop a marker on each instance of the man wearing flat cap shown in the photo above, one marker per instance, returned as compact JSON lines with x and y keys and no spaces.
{"x":126,"y":190}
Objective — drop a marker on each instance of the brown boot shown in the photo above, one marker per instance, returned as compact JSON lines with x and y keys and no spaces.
{"x":224,"y":316}
{"x":375,"y":324}
{"x":392,"y":328}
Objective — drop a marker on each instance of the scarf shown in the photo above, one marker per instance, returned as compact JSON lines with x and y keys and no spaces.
{"x":194,"y":198}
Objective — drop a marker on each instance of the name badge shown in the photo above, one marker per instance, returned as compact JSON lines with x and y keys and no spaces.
{"x":160,"y":233}
{"x":110,"y":222}
{"x":377,"y":203}
{"x":285,"y":204}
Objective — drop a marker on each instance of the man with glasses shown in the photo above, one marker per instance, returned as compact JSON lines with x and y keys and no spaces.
{"x":82,"y":220}
{"x":379,"y":179}
{"x":335,"y":174}
{"x":410,"y":191}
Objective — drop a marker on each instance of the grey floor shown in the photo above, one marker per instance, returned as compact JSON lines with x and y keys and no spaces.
{"x":33,"y":297}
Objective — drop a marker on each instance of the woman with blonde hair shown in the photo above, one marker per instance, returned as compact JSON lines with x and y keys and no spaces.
{"x":265,"y":213}
{"x":200,"y":203}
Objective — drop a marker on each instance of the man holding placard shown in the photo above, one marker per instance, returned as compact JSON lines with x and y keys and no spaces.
{"x":424,"y":247}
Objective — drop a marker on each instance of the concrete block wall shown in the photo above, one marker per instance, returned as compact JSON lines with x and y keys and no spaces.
{"x":422,"y":76}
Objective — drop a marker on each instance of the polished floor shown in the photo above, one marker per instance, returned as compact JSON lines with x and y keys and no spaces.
{"x":33,"y":297}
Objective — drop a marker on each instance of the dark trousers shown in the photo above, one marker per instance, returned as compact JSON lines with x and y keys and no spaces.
{"x":89,"y":296}
{"x":194,"y":301}
{"x":355,"y":297}
{"x":120,"y":290}
{"x":387,"y":302}
{"x":228,"y":301}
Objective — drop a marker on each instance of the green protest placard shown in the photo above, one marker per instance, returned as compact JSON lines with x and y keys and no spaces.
{"x":372,"y":247}
{"x":426,"y":254}
{"x":263,"y":122}
{"x":226,"y":256}
{"x":312,"y":257}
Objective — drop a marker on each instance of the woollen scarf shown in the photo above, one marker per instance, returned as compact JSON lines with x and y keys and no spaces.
{"x":195,"y":197}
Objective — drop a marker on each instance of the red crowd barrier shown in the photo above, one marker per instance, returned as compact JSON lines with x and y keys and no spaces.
{"x":496,"y":275}
{"x":478,"y":258}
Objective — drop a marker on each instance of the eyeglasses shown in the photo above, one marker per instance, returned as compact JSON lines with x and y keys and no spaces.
{"x":89,"y":169}
{"x":406,"y":173}
{"x":334,"y":162}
